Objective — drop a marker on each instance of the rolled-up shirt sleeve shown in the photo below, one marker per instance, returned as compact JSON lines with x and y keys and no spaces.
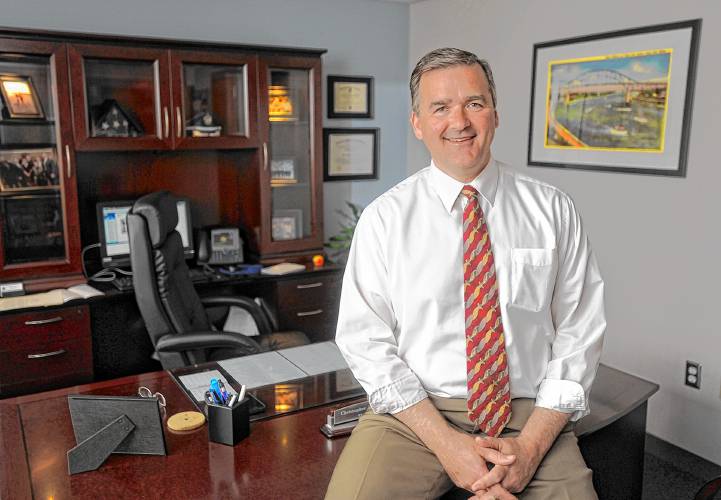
{"x":577,"y":310}
{"x":366,"y":322}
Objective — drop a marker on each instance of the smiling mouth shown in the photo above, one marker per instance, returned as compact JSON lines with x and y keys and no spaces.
{"x":459,"y":140}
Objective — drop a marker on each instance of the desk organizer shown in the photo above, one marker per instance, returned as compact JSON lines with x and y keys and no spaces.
{"x":229,"y":425}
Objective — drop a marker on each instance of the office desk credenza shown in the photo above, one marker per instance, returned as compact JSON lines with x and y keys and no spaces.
{"x":283,"y":457}
{"x":105,"y":337}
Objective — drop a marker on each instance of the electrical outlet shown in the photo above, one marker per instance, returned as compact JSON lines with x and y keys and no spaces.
{"x":693,"y":374}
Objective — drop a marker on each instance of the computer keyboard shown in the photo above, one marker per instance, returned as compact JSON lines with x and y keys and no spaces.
{"x":123,"y":283}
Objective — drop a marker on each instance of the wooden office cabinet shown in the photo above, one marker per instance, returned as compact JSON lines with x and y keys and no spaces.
{"x":309,"y":304}
{"x":137,"y":98}
{"x":39,"y":235}
{"x":45,"y":349}
{"x":215,"y":103}
{"x":236,"y":129}
{"x":121,"y":97}
{"x":291,"y":177}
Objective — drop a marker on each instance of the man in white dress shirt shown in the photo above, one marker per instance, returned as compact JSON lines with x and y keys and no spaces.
{"x":402,"y":322}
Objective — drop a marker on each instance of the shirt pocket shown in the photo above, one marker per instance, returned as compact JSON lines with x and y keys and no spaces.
{"x":531,"y":277}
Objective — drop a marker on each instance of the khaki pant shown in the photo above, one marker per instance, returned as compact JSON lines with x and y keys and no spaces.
{"x":384,"y":459}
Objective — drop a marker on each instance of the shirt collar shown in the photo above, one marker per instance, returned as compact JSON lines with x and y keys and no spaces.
{"x":449,"y":188}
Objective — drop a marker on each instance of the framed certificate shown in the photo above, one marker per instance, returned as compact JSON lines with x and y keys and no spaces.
{"x":350,"y":154}
{"x":350,"y":96}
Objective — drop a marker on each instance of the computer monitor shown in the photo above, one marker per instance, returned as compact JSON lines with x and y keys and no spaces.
{"x":113,"y":231}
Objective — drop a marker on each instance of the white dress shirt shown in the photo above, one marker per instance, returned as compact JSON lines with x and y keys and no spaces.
{"x":401,"y":325}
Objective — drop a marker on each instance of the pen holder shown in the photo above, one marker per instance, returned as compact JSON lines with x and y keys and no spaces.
{"x":228,"y":425}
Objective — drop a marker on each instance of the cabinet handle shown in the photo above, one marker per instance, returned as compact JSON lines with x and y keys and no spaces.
{"x":167,"y":121}
{"x":179,"y":119}
{"x":309,"y":285}
{"x":67,"y":161}
{"x":43,"y":321}
{"x":265,"y":156}
{"x":314,"y":312}
{"x":46,"y":354}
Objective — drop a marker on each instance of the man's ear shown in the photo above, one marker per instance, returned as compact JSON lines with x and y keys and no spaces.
{"x":416,"y":126}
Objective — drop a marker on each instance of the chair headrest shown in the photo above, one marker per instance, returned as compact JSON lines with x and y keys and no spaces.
{"x":160,"y":211}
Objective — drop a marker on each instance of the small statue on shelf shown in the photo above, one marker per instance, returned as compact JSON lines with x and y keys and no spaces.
{"x":202,"y":123}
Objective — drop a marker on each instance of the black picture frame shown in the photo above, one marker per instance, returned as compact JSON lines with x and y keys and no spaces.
{"x":350,"y":96}
{"x":632,"y":125}
{"x":21,"y":102}
{"x":350,"y":154}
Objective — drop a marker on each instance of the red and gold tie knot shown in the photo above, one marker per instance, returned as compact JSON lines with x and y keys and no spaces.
{"x":469,"y":192}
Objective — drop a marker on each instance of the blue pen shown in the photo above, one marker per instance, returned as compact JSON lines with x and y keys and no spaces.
{"x":215,"y":390}
{"x":223,"y":392}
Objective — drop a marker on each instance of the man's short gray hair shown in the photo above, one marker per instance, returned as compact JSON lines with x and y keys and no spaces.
{"x":444,"y":58}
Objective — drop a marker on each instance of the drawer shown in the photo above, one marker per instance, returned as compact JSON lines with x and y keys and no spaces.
{"x":41,"y":328}
{"x":61,"y":363}
{"x":318,"y":323}
{"x":308,"y":292}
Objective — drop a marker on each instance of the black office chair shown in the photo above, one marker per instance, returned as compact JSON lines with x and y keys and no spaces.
{"x":174,"y":314}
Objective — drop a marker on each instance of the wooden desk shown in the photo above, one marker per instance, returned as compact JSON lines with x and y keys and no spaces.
{"x":284,"y":457}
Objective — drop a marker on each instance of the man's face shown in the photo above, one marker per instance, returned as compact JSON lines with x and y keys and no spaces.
{"x":456,"y":119}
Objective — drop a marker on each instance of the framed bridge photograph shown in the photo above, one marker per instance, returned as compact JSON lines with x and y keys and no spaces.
{"x":618,"y":101}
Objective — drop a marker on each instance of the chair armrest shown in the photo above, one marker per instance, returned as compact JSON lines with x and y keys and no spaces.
{"x":259,"y":315}
{"x":203,"y":340}
{"x":233,"y":300}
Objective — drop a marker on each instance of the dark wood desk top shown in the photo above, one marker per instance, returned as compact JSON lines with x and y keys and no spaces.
{"x":284,"y":456}
{"x":614,"y":394}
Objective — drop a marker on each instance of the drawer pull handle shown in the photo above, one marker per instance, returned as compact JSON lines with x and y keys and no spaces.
{"x":309,"y":285}
{"x":68,"y":172}
{"x":44,"y":321}
{"x":166,"y":120}
{"x":310,"y":313}
{"x":46,"y":354}
{"x":179,"y":120}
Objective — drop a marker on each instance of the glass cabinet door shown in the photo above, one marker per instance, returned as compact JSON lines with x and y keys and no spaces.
{"x":291,"y":155}
{"x":214,"y":103}
{"x":37,"y":190}
{"x":123,"y":102}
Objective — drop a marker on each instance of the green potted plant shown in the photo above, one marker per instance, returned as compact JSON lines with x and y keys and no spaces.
{"x":339,"y":245}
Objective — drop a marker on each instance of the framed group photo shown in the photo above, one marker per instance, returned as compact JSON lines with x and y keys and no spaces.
{"x":350,"y":96}
{"x":350,"y":153}
{"x":28,"y":169}
{"x":618,"y":101}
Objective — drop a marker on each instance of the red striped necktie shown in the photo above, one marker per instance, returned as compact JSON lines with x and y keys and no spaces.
{"x":489,"y":399}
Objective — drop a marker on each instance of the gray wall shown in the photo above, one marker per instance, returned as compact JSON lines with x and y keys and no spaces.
{"x":363,"y":37}
{"x":657,"y":238}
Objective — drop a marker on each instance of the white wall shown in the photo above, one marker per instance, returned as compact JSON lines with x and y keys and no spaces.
{"x":363,"y":37}
{"x":657,"y":238}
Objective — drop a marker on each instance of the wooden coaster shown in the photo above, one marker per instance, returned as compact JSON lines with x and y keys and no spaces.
{"x":186,"y":421}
